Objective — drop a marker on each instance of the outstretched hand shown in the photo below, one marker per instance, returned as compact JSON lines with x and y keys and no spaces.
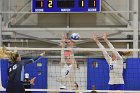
{"x":42,"y":54}
{"x":105,"y":36}
{"x":95,"y":37}
{"x":63,"y":40}
{"x":32,"y":81}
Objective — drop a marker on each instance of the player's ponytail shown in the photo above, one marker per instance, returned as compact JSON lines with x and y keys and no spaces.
{"x":14,"y":57}
{"x":126,"y":53}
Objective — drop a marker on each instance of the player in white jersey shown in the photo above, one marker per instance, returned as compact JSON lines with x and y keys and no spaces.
{"x":68,"y":64}
{"x":115,"y":63}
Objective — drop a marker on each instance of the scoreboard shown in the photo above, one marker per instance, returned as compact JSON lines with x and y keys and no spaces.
{"x":53,"y":6}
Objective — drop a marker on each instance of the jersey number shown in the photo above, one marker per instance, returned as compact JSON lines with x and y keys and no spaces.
{"x":13,"y":68}
{"x":111,"y":67}
{"x":67,"y":72}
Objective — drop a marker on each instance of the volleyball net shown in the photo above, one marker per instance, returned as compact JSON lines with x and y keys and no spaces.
{"x":90,"y":70}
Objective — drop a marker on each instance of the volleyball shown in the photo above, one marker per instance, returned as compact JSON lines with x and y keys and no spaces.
{"x":75,"y":36}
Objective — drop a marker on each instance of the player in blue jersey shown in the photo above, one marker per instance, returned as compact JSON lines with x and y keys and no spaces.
{"x":16,"y":73}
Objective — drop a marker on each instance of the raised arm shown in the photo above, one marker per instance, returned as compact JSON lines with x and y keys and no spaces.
{"x":31,"y":60}
{"x":74,"y":63}
{"x":106,"y":55}
{"x":62,"y":43}
{"x":111,"y":46}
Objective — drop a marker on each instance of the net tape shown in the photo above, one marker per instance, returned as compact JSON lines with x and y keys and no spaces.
{"x":76,"y":91}
{"x":75,"y":49}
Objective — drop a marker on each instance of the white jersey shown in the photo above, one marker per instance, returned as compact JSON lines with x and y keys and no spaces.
{"x":116,"y":72}
{"x":115,"y":67}
{"x":67,"y":70}
{"x":67,"y":76}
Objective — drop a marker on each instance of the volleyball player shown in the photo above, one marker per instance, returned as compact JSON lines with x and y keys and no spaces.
{"x":28,"y":82}
{"x":115,"y":63}
{"x":68,"y":72}
{"x":16,"y":74}
{"x":93,"y":91}
{"x":76,"y":87}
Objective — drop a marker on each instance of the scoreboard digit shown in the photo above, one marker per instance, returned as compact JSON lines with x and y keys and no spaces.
{"x":39,"y":4}
{"x":81,"y":3}
{"x":70,"y":6}
{"x":50,"y":3}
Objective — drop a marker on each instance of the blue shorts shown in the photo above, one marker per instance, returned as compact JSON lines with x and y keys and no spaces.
{"x":116,"y":87}
{"x":15,"y":87}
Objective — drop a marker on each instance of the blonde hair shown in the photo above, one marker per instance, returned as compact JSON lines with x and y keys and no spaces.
{"x":5,"y":53}
{"x":125,"y":53}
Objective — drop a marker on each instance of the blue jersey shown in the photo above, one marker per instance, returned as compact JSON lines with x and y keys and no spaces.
{"x":16,"y":70}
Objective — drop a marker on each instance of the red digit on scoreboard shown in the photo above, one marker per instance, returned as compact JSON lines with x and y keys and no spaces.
{"x":41,"y":3}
